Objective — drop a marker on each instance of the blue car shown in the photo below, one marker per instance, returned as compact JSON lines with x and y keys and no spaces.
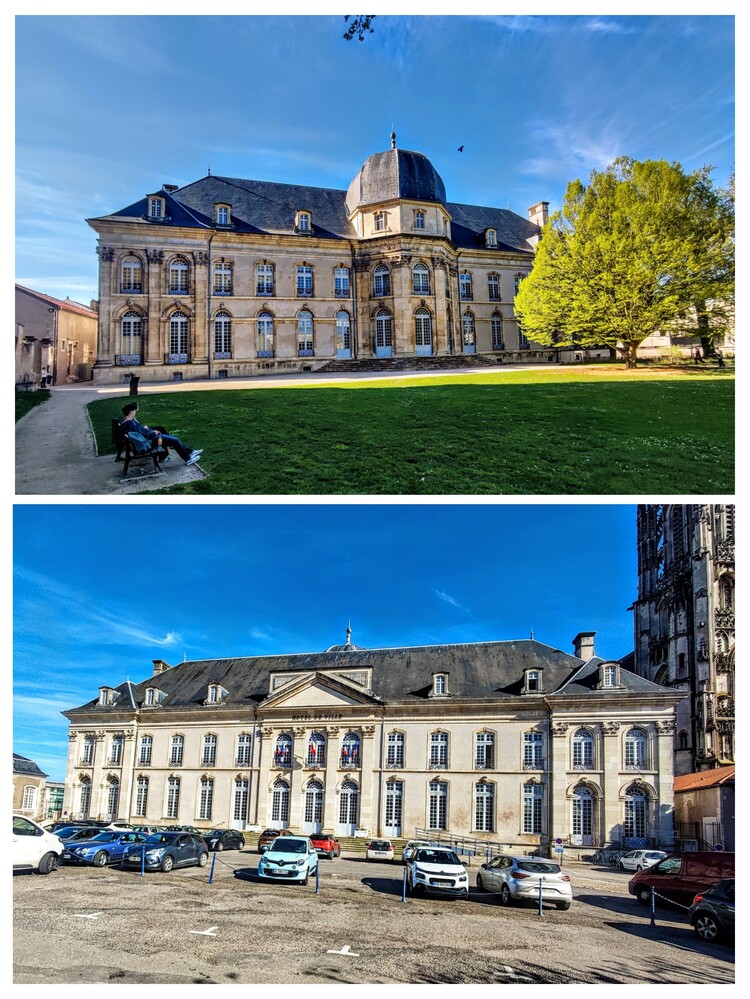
{"x":289,"y":858}
{"x":164,"y":850}
{"x":106,"y":847}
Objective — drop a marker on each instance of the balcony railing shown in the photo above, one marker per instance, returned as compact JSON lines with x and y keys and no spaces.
{"x":177,"y":358}
{"x":128,"y":360}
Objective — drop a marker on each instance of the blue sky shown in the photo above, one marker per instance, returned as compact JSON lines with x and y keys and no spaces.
{"x":109,"y":108}
{"x":234,"y":580}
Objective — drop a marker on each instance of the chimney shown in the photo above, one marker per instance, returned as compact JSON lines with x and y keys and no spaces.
{"x":583,"y":644}
{"x":539,"y":213}
{"x":169,"y":188}
{"x":160,"y":666}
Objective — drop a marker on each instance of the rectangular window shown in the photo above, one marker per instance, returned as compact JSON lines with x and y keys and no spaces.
{"x":243,"y":751}
{"x":264,"y":280}
{"x":304,"y":281}
{"x":87,"y":752}
{"x":115,"y":755}
{"x":29,"y":798}
{"x":532,"y":808}
{"x":485,"y":808}
{"x":141,"y":797}
{"x":154,"y":208}
{"x":532,"y":751}
{"x":523,"y":341}
{"x":341,"y":282}
{"x":175,"y":756}
{"x":395,"y":751}
{"x":438,"y":816}
{"x":466,"y":287}
{"x":379,"y":221}
{"x":498,"y":342}
{"x":485,"y":758}
{"x":439,"y":751}
{"x":419,"y":220}
{"x":144,"y":759}
{"x":223,"y":215}
{"x":240,"y":800}
{"x":206,"y":799}
{"x":173,"y":798}
{"x":493,"y":284}
{"x":209,"y":751}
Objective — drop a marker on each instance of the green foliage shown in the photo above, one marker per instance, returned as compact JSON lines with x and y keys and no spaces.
{"x":643,"y":247}
{"x":579,"y":431}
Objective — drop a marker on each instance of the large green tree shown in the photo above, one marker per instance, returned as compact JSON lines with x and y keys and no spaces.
{"x":643,"y":247}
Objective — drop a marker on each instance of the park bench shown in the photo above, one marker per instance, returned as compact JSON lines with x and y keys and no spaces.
{"x":128,"y":449}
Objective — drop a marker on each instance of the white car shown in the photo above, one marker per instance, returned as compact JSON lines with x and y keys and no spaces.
{"x":639,"y":860}
{"x":380,"y":849}
{"x":411,"y":846}
{"x":518,"y":879}
{"x":34,"y":849}
{"x":435,"y":870}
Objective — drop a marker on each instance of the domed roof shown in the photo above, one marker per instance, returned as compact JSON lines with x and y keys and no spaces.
{"x":349,"y":646}
{"x":396,"y":173}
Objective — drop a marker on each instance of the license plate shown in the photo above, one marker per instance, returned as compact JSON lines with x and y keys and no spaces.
{"x":67,"y":856}
{"x":438,"y":881}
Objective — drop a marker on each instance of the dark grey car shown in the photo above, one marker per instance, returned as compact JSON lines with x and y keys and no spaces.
{"x":165,"y":850}
{"x":712,"y":912}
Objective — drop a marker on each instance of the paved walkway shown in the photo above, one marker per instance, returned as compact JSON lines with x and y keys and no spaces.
{"x":56,"y":449}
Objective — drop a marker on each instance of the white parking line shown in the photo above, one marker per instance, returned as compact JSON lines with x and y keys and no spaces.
{"x":205,"y":933}
{"x":344,"y":950}
{"x":82,"y":915}
{"x":508,"y":972}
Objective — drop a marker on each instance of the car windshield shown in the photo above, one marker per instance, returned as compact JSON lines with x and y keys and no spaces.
{"x":290,"y":845}
{"x":538,"y":867}
{"x":379,"y":845}
{"x":162,"y":837}
{"x":653,"y":856}
{"x":437,"y":857}
{"x":214,"y":832}
{"x":105,"y":837}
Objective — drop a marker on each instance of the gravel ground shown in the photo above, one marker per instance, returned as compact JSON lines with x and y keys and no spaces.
{"x":115,"y":927}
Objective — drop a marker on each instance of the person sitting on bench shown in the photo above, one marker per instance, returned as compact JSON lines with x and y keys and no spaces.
{"x":129,"y":423}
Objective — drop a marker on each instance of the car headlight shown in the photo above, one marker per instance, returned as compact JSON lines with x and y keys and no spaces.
{"x":421,"y":874}
{"x":463,"y":878}
{"x":301,"y":863}
{"x":153,"y":854}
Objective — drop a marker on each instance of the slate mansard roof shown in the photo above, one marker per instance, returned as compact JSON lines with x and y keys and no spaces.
{"x":23,"y":765}
{"x":266,"y":207}
{"x":486,"y":671}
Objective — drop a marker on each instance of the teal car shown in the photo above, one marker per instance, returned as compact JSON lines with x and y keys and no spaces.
{"x":289,"y":858}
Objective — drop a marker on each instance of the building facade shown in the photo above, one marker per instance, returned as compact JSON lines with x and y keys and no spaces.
{"x":226,"y":277}
{"x":684,"y":621}
{"x":29,"y":783}
{"x":511,"y":742}
{"x":55,"y":340}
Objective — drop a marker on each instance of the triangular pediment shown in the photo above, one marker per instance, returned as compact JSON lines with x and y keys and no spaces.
{"x":317,"y":690}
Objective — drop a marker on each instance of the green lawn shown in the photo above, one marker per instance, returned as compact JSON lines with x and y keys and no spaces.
{"x":26,"y":401}
{"x":597,"y":430}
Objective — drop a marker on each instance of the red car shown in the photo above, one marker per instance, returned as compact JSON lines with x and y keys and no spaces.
{"x":325,"y":845}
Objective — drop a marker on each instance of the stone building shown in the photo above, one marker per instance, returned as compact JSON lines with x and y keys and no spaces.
{"x":512,"y":742}
{"x":29,"y":783}
{"x":227,"y":277}
{"x":55,"y":339}
{"x":684,"y":623}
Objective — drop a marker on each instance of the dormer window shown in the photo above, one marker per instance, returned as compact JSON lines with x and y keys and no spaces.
{"x":532,"y":681}
{"x":303,"y":222}
{"x":223,"y":214}
{"x":216,"y":694}
{"x":155,"y":207}
{"x":439,"y":684}
{"x":107,"y":696}
{"x":419,"y":219}
{"x":153,"y":696}
{"x":490,"y":238}
{"x":379,"y":221}
{"x":609,"y":675}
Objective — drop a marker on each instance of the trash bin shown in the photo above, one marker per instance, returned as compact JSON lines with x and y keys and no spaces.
{"x":134,"y":379}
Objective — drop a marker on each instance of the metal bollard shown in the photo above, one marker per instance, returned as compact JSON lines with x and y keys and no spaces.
{"x":143,"y":861}
{"x":653,"y":907}
{"x":403,"y":888}
{"x":211,"y":875}
{"x":317,"y":879}
{"x":541,"y":908}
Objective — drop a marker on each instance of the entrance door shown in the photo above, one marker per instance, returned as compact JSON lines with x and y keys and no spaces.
{"x":313,"y":821}
{"x":423,"y":333}
{"x":239,"y":807}
{"x":348,"y":809}
{"x":394,"y":802}
{"x":470,"y":336}
{"x":343,"y":335}
{"x":583,"y":817}
{"x":384,"y":335}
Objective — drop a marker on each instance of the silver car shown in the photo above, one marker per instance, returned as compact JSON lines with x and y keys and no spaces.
{"x":639,"y":860}
{"x":517,"y":879}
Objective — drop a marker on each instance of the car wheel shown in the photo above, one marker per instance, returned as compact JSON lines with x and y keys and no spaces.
{"x":563,"y":905}
{"x":306,"y":878}
{"x":242,"y":845}
{"x":505,"y":896}
{"x":167,"y":864}
{"x":622,"y":866}
{"x":219,"y":846}
{"x":480,"y":883}
{"x":49,"y":863}
{"x":644,"y":895}
{"x":202,"y":860}
{"x":101,"y":858}
{"x":638,"y":868}
{"x":706,"y":926}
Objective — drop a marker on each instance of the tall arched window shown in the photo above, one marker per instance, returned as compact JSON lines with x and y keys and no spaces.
{"x":87,"y":750}
{"x":343,"y":332}
{"x":305,"y":341}
{"x":113,"y":797}
{"x":131,"y":275}
{"x":381,"y":281}
{"x":85,"y":798}
{"x":636,"y":749}
{"x":394,"y":805}
{"x":349,"y":803}
{"x":244,"y":748}
{"x":341,"y":282}
{"x":131,"y":338}
{"x":395,"y":750}
{"x":141,"y":795}
{"x":438,"y":805}
{"x":282,"y":756}
{"x":314,"y":802}
{"x":496,"y":323}
{"x":222,"y":278}
{"x":484,"y":807}
{"x":208,"y":756}
{"x":222,"y":335}
{"x":176,"y":750}
{"x":206,"y":800}
{"x":583,"y":750}
{"x":485,"y":751}
{"x":636,"y":814}
{"x":178,"y":338}
{"x":173,"y":798}
{"x":115,"y":750}
{"x":423,"y":331}
{"x":280,"y":803}
{"x":316,"y":750}
{"x":465,"y":287}
{"x":420,"y":279}
{"x":265,"y":346}
{"x":350,"y":750}
{"x":583,"y":813}
{"x":241,"y":799}
{"x":533,"y":796}
{"x":438,"y":750}
{"x":383,"y":330}
{"x":469,"y":331}
{"x":178,"y":276}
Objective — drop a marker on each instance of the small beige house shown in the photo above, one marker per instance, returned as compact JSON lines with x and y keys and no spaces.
{"x":29,"y":788}
{"x":55,"y":340}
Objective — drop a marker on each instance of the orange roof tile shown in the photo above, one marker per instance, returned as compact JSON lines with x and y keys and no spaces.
{"x":704,"y":778}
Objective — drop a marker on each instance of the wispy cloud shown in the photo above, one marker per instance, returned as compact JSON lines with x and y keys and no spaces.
{"x":448,"y":599}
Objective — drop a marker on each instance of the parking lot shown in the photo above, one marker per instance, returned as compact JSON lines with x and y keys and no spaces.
{"x":117,"y":927}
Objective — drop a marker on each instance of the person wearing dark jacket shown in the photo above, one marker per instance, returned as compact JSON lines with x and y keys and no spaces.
{"x":129,"y":423}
